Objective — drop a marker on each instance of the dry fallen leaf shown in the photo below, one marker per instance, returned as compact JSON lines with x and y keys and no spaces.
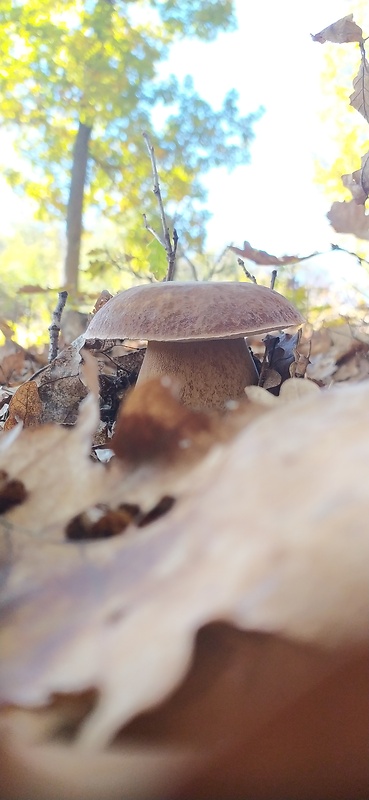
{"x":294,"y":565}
{"x":280,"y":353}
{"x":340,"y":32}
{"x":55,"y":468}
{"x":266,"y":709}
{"x":358,"y":181}
{"x":339,"y":353}
{"x":291,"y":390}
{"x":265,"y":259}
{"x":359,"y":99}
{"x":103,"y":298}
{"x":349,"y":217}
{"x":11,"y":367}
{"x":25,"y":406}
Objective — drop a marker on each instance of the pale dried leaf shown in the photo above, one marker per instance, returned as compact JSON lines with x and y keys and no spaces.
{"x":60,"y":387}
{"x":268,"y":708}
{"x":90,"y":376}
{"x":353,"y":183}
{"x":260,"y":396}
{"x":340,"y":32}
{"x":349,"y":218}
{"x":359,"y":99}
{"x":265,"y":259}
{"x":322,"y":366}
{"x":300,"y":365}
{"x":255,"y":713}
{"x":297,"y":388}
{"x":341,"y":337}
{"x":291,"y":390}
{"x":238,"y":547}
{"x":355,"y":369}
{"x":59,"y":477}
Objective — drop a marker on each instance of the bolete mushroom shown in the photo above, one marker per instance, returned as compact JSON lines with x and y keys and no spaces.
{"x":196,"y":333}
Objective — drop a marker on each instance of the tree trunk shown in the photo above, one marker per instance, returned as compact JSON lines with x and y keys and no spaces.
{"x":75,"y":207}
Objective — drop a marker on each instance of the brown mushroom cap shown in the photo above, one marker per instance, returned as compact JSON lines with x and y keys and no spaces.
{"x":191,"y":311}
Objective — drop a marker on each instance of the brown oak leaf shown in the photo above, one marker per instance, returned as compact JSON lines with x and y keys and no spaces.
{"x":265,"y":259}
{"x":359,"y":99}
{"x":340,"y":32}
{"x":25,"y":406}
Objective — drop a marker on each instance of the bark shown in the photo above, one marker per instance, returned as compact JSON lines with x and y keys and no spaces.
{"x":75,"y":207}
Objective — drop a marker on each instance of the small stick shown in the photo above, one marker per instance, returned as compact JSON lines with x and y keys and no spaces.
{"x":54,"y":328}
{"x":247,"y":273}
{"x":170,"y":249}
{"x":154,"y":234}
{"x":263,"y":369}
{"x":273,"y":278}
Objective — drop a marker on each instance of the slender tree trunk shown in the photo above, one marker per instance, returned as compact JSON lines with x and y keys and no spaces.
{"x":75,"y":207}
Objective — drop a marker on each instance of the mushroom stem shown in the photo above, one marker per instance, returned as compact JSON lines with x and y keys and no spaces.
{"x":208,"y":372}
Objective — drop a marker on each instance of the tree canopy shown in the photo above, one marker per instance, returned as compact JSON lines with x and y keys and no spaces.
{"x":79,"y":82}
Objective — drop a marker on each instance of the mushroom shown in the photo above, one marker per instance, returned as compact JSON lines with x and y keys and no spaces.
{"x":196,"y":333}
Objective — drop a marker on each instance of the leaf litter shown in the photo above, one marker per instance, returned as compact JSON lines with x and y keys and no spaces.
{"x":121,"y":615}
{"x":126,"y":562}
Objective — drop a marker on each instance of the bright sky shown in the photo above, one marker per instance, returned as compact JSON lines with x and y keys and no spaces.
{"x":271,"y":61}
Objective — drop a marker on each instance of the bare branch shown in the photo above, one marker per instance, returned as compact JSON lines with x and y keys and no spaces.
{"x":190,"y":264}
{"x":273,"y":278}
{"x":170,"y":248}
{"x":54,"y":328}
{"x":247,"y":273}
{"x":154,"y":234}
{"x":128,"y":269}
{"x":359,"y":259}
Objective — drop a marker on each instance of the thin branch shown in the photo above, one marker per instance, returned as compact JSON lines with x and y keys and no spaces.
{"x":190,"y":264}
{"x":273,"y":278}
{"x":128,"y":269}
{"x":263,"y":369}
{"x":170,"y":248}
{"x":360,"y":260}
{"x":151,"y":230}
{"x":247,"y":273}
{"x":54,"y":328}
{"x":175,"y":242}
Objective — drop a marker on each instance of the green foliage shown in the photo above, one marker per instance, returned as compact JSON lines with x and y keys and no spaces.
{"x":29,"y":265}
{"x":97,"y":62}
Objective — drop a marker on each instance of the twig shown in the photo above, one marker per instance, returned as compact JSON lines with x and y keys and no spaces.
{"x":151,"y":230}
{"x":170,"y":249}
{"x":247,"y":273}
{"x":190,"y":264}
{"x":359,"y":259}
{"x":54,"y":328}
{"x":263,"y":369}
{"x":273,"y":278}
{"x":141,"y":276}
